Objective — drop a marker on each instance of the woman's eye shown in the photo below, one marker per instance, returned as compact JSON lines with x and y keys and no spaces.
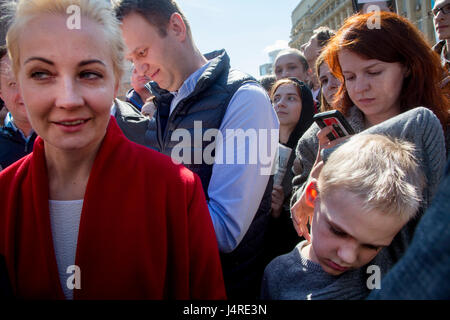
{"x":374,"y":73}
{"x":12,"y":84}
{"x":323,"y":82}
{"x":349,"y":78}
{"x":40,"y":75}
{"x":89,"y":75}
{"x":292,"y":67}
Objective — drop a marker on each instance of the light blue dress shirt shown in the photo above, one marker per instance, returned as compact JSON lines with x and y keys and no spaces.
{"x":236,"y":190}
{"x":9,"y":123}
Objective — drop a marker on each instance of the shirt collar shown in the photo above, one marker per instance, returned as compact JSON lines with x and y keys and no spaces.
{"x":9,"y":123}
{"x":188,"y":86}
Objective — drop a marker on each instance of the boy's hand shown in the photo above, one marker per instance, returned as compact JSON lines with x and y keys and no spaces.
{"x":325,"y":143}
{"x":302,"y":215}
{"x":277,"y":200}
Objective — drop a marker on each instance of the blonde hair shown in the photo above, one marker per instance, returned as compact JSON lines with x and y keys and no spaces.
{"x":381,"y":171}
{"x":21,"y":12}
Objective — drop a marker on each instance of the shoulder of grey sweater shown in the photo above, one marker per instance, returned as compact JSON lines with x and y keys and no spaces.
{"x":415,"y":125}
{"x":308,"y":142}
{"x":421,"y":127}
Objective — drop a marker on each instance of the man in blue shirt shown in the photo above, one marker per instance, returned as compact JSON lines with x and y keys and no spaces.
{"x":17,"y":135}
{"x":140,"y":92}
{"x":211,"y":108}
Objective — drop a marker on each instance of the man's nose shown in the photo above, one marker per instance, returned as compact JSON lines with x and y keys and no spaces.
{"x":141,"y":69}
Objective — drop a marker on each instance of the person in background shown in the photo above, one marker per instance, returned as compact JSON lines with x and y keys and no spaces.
{"x":374,"y":85}
{"x":329,"y":84}
{"x":267,"y":82}
{"x":291,"y":63}
{"x":139,"y":94}
{"x":130,"y":120}
{"x":311,"y":51}
{"x":3,"y":112}
{"x":294,"y":105}
{"x":196,"y":95}
{"x":390,"y":92}
{"x":441,"y":14}
{"x":360,"y":201}
{"x":95,"y":215}
{"x":16,"y":136}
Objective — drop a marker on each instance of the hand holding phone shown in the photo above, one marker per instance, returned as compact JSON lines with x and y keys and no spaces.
{"x":334,"y":119}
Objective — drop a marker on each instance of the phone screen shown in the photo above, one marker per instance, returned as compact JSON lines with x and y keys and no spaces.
{"x":337,"y":129}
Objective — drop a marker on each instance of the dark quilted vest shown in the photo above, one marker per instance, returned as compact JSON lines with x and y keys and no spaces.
{"x":208,"y":103}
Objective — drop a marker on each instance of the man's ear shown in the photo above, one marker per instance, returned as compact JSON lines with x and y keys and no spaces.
{"x":177,"y":26}
{"x":311,"y":193}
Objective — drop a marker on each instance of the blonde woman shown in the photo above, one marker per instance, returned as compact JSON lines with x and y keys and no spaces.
{"x":89,"y":214}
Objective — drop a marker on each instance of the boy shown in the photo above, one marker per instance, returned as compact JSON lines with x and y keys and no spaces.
{"x":369,"y":188}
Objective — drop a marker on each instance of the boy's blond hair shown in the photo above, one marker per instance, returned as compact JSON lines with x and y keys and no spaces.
{"x":382,"y":171}
{"x":21,"y":12}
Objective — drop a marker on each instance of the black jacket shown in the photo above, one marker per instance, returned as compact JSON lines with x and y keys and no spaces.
{"x":13,"y":146}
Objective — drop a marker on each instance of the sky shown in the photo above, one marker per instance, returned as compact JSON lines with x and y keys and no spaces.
{"x":245,"y":28}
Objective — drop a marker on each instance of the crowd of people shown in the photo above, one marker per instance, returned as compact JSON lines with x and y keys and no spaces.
{"x":94,"y":195}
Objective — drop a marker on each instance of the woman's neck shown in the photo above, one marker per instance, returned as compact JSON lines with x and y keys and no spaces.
{"x":372,"y":120}
{"x":68,"y":171}
{"x":285,"y":133}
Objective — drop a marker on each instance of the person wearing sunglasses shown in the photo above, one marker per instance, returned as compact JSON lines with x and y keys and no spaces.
{"x":441,"y":14}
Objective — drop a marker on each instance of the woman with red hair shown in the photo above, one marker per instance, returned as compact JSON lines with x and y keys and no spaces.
{"x":385,"y":68}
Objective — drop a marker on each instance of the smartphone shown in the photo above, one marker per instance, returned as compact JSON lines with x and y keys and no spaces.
{"x":335,"y":120}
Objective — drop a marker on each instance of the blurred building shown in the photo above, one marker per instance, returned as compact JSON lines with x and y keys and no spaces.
{"x":311,"y":14}
{"x":267,"y":68}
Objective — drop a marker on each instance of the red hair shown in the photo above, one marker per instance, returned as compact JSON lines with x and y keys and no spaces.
{"x":395,"y":40}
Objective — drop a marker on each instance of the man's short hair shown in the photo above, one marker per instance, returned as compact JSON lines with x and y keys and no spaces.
{"x":296,"y":53}
{"x":156,"y":12}
{"x":267,"y":81}
{"x":323,"y":35}
{"x":381,"y":171}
